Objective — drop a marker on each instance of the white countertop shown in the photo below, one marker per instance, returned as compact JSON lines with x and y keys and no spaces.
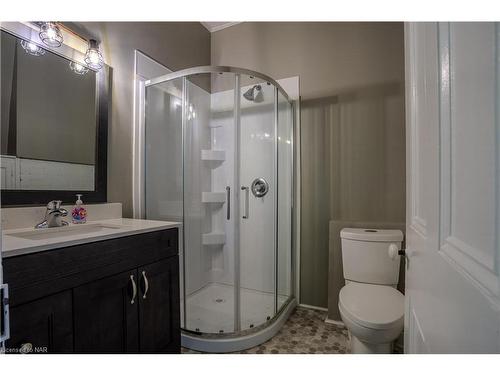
{"x":12,"y":246}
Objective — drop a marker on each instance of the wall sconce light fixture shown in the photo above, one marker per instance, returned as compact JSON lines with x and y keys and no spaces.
{"x":93,"y":57}
{"x":50,"y":34}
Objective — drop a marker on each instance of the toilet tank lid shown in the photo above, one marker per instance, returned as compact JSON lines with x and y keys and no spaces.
{"x":375,"y":235}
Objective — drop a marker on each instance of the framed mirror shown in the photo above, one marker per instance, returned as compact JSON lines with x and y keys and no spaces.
{"x":54,"y":124}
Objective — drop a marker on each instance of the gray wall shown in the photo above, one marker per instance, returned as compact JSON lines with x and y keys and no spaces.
{"x":352,"y":125}
{"x":177,"y":45}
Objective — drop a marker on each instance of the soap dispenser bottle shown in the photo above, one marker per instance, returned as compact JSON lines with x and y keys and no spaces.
{"x":79,"y":213}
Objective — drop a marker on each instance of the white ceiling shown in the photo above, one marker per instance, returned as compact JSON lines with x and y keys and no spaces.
{"x":216,"y":26}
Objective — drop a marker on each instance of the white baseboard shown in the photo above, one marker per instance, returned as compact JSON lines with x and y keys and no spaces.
{"x":313,"y":307}
{"x":338,"y":323}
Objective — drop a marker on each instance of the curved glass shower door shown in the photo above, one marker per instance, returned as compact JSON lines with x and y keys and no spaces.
{"x":257,"y":177}
{"x":218,"y":158}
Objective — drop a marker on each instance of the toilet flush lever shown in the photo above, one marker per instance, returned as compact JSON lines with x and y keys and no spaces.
{"x":394,"y":251}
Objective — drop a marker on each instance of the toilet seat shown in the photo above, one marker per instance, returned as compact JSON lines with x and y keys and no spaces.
{"x":378,"y":307}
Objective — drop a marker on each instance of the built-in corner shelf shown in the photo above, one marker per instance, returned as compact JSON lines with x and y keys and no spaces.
{"x":218,"y":155}
{"x":213,"y":238}
{"x":214,"y":125}
{"x":213,"y":197}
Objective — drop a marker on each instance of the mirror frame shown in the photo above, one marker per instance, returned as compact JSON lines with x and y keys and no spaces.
{"x":99,"y":194}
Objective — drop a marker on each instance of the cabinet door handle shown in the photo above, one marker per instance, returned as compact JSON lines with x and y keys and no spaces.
{"x":134,"y":290}
{"x":146,"y":285}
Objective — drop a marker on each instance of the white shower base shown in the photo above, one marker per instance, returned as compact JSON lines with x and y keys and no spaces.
{"x":212,"y":316}
{"x":211,"y":308}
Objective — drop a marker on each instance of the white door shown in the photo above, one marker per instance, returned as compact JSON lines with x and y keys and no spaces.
{"x":453,"y":188}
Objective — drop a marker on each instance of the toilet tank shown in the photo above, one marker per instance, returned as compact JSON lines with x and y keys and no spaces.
{"x":365,"y":255}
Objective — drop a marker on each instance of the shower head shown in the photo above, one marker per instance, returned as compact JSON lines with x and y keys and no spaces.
{"x":254,"y":94}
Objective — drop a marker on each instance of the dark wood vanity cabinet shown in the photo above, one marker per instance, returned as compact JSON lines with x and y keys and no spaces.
{"x":130,"y":319}
{"x":105,"y":316}
{"x":159,"y":317}
{"x":42,"y":326}
{"x":113,"y":296}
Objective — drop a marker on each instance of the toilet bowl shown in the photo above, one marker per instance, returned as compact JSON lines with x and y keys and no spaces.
{"x":370,"y":305}
{"x":373,"y":314}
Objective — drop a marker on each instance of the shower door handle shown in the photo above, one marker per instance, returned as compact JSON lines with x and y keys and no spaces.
{"x":247,"y":196}
{"x":228,"y":202}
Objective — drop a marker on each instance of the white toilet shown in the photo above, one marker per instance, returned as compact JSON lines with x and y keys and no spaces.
{"x":370,"y":305}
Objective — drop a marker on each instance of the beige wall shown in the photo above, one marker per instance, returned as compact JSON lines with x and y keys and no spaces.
{"x":352,"y":125}
{"x":177,"y":45}
{"x":328,"y":56}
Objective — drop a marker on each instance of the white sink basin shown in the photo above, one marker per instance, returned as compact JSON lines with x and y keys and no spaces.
{"x":71,"y":230}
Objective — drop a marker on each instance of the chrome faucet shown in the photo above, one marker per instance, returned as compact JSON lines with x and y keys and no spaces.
{"x":53,"y":216}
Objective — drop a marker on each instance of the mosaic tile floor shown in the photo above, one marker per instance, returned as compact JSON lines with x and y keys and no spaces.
{"x":305,"y":332}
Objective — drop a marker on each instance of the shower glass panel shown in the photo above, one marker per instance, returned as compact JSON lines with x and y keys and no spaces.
{"x":219,"y":159}
{"x":163,"y":192}
{"x":163,"y":151}
{"x":257,"y":169}
{"x":209,"y":269}
{"x":285,"y":199}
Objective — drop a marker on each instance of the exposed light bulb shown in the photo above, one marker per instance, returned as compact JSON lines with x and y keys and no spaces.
{"x":31,"y":48}
{"x":78,"y":68}
{"x":50,"y":34}
{"x":93,"y":57}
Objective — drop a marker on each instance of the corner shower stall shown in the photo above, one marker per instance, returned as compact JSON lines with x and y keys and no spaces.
{"x":219,"y":158}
